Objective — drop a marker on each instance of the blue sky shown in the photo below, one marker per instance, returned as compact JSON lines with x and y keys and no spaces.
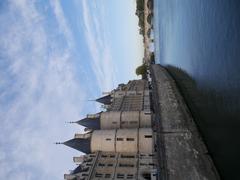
{"x":55,"y":55}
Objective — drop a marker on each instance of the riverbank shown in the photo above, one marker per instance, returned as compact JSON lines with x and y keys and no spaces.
{"x":182,"y":153}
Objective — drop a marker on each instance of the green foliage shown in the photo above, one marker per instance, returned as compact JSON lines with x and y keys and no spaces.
{"x":140,"y":14}
{"x":141,"y":70}
{"x":152,"y":58}
{"x":140,"y":4}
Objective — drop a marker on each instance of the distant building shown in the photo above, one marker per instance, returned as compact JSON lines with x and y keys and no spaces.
{"x":119,"y":143}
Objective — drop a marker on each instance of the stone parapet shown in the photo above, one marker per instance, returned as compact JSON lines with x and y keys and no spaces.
{"x":183,"y":154}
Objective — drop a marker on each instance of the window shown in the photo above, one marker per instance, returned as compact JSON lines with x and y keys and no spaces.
{"x":84,"y":174}
{"x":114,"y":122}
{"x":110,"y":165}
{"x":133,"y":122}
{"x":98,"y":175}
{"x":85,"y":169}
{"x":148,"y":136}
{"x":88,"y":160}
{"x":103,"y":156}
{"x":108,"y":139}
{"x":130,"y":139}
{"x":127,"y":156}
{"x":101,"y":164}
{"x":107,"y":175}
{"x":130,"y":176}
{"x":119,"y":139}
{"x":125,"y":165}
{"x":120,"y":176}
{"x":146,"y":176}
{"x":112,"y":156}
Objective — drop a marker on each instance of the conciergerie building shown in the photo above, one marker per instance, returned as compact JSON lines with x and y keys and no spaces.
{"x":118,"y":143}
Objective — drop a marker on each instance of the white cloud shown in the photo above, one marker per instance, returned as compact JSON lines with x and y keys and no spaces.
{"x":63,"y":25}
{"x":38,"y":93}
{"x":99,"y":47}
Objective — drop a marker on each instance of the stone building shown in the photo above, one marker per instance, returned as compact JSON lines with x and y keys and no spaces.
{"x":105,"y":165}
{"x":119,"y":143}
{"x":133,"y":96}
{"x":116,"y":120}
{"x":115,"y":140}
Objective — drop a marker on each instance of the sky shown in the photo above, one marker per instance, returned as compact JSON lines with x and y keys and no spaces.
{"x":54,"y":57}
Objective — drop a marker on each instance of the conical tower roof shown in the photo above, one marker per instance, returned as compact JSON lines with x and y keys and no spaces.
{"x":91,"y":123}
{"x":105,"y":99}
{"x":80,"y":144}
{"x":77,"y":170}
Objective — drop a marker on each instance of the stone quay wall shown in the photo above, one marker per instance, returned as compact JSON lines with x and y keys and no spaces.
{"x":181,"y":152}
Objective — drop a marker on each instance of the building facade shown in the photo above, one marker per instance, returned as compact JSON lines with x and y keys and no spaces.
{"x":106,"y":165}
{"x":119,"y":143}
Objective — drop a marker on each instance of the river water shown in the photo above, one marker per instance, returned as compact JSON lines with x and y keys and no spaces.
{"x":198,"y":41}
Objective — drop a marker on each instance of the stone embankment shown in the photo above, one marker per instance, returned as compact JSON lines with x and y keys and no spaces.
{"x":182,"y":153}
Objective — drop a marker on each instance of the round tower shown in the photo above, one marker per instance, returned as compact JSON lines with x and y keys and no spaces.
{"x":117,"y":120}
{"x":122,"y":140}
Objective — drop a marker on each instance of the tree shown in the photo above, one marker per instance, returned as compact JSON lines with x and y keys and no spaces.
{"x":140,"y":5}
{"x":152,"y":58}
{"x":141,"y":70}
{"x":140,"y":13}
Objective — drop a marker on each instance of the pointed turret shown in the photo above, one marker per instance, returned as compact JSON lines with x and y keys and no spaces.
{"x":105,"y":100}
{"x":80,"y":144}
{"x":77,"y":170}
{"x":91,"y":123}
{"x":73,"y":173}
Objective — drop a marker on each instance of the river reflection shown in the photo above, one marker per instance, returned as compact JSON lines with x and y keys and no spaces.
{"x":199,"y":43}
